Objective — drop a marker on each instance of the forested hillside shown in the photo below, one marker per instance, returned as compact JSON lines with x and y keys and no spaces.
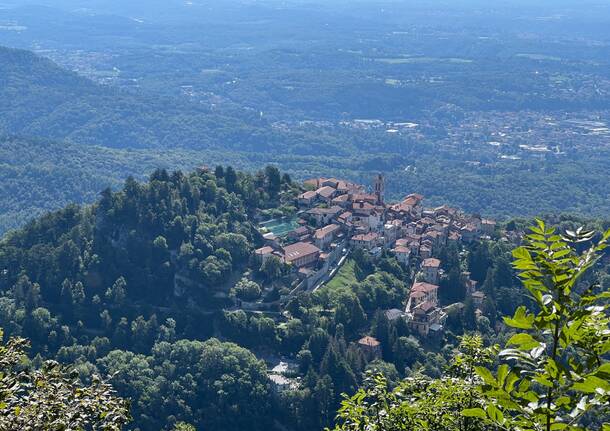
{"x":43,"y":100}
{"x":142,"y":131}
{"x":142,"y":284}
{"x":141,"y":269}
{"x":39,"y":175}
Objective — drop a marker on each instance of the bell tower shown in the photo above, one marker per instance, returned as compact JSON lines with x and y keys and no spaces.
{"x":379,"y":186}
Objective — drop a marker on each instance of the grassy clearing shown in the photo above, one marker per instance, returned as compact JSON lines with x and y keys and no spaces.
{"x":345,"y":276}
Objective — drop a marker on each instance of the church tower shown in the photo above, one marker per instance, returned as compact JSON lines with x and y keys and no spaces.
{"x":379,"y":188}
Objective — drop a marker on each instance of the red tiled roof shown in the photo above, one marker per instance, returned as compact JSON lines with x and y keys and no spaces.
{"x":308,"y":195}
{"x":366,"y":197}
{"x":346,"y":186}
{"x":314,"y":182}
{"x":432,"y":234}
{"x":326,"y":230}
{"x":369,"y":341}
{"x":326,"y":191}
{"x":371,"y":236}
{"x":422,"y":286}
{"x":331,"y":210}
{"x":431,"y":262}
{"x":362,"y":206}
{"x":298,"y":250}
{"x":301,"y":230}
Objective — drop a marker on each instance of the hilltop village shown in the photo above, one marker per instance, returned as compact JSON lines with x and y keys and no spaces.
{"x":336,"y":217}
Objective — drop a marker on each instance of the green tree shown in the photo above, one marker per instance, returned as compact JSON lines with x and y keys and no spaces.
{"x":183,"y":426}
{"x":118,"y":292}
{"x":420,"y":403}
{"x":555,"y":369}
{"x":274,"y":180}
{"x":52,"y":398}
{"x":247,"y":290}
{"x":230,"y":178}
{"x":273,"y":268}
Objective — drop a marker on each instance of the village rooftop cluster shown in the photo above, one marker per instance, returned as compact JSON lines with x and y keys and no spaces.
{"x":337,"y":216}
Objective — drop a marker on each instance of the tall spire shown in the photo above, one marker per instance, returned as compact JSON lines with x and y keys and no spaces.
{"x":379,"y":188}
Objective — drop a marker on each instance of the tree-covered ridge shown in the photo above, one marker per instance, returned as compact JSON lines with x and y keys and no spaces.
{"x":212,"y":384}
{"x":79,"y":281}
{"x":40,"y":99}
{"x":140,"y":283}
{"x":146,"y":234}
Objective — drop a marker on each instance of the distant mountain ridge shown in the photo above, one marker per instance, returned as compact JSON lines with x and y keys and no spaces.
{"x":76,"y":137}
{"x":43,"y":100}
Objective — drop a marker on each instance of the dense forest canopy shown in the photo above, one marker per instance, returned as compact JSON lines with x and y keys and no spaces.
{"x":141,"y":286}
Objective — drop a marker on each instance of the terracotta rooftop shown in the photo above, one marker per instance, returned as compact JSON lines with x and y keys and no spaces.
{"x":326,"y":230}
{"x":347,"y":186}
{"x":431,"y":263}
{"x":341,"y":198}
{"x":362,"y":206}
{"x":301,"y":230}
{"x":364,"y":197}
{"x":308,"y":195}
{"x":315,"y":182}
{"x":326,"y":191}
{"x":369,"y":341}
{"x":298,"y":250}
{"x":371,"y":236}
{"x":422,"y":286}
{"x":408,"y":203}
{"x":331,"y":210}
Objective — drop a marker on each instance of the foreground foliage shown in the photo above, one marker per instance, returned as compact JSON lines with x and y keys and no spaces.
{"x":556,"y":369}
{"x":419,"y":402}
{"x":553,"y":374}
{"x":52,"y":398}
